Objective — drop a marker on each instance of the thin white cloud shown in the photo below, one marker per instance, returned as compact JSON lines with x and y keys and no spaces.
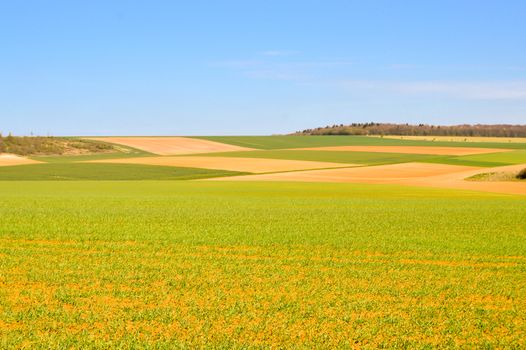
{"x":280,"y":53}
{"x":401,"y":66}
{"x":497,"y":90}
{"x":242,"y":64}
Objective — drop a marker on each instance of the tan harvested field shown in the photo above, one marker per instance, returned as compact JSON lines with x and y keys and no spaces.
{"x":409,"y":174}
{"x":172,"y":145}
{"x":251,"y":165}
{"x":11,"y":159}
{"x":446,"y":151}
{"x":370,"y":174}
{"x":457,"y":138}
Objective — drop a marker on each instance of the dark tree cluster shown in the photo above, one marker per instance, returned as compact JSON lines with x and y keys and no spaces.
{"x":497,"y":130}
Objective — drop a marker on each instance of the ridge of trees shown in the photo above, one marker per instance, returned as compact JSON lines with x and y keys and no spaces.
{"x":493,"y":130}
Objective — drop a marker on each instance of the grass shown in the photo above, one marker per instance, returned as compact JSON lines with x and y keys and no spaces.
{"x":460,"y":160}
{"x":494,"y":176}
{"x":370,"y":158}
{"x":94,"y":171}
{"x":514,"y":157}
{"x":40,"y":145}
{"x":499,"y":176}
{"x":284,"y":142}
{"x":130,"y":153}
{"x":162,"y":264}
{"x":483,"y":160}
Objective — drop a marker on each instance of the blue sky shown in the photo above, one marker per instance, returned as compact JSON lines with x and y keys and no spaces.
{"x":257,"y":67}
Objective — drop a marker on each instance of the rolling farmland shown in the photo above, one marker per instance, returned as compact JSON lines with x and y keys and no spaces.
{"x":367,"y":250}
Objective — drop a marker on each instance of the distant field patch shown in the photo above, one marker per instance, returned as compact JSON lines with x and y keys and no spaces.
{"x":371,"y":174}
{"x":366,"y":158}
{"x":287,"y":142}
{"x":252,"y":165}
{"x":92,"y":171}
{"x":514,"y":157}
{"x":11,"y":159}
{"x":457,"y":138}
{"x":455,"y":151}
{"x":407,"y":174}
{"x":171,"y":145}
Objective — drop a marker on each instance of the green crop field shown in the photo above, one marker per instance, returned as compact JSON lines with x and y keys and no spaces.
{"x":126,"y":257}
{"x":283,"y":142}
{"x":95,"y":171}
{"x":87,"y":157}
{"x":369,"y":158}
{"x":160,"y":264}
{"x":483,"y":160}
{"x":513,"y":157}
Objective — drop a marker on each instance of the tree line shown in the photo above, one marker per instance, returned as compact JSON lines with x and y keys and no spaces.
{"x":495,"y":130}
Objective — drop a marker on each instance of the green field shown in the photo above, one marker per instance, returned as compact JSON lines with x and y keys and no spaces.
{"x":513,"y":157}
{"x":127,"y":257}
{"x":94,"y":171}
{"x":81,"y":158}
{"x":483,"y":160}
{"x":159,"y":264}
{"x":283,"y":142}
{"x":369,"y":158}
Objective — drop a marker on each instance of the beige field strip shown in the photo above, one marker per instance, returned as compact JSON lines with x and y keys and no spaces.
{"x":409,"y":174}
{"x":172,"y":145}
{"x":252,"y":165}
{"x":457,"y":138}
{"x":11,"y":159}
{"x":446,"y":151}
{"x":370,"y":174}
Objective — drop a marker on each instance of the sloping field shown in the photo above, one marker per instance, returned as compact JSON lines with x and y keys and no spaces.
{"x":11,"y":159}
{"x":368,"y":158}
{"x":372,"y":174}
{"x":287,"y":142}
{"x":95,"y":171}
{"x":171,"y":145}
{"x":483,"y":160}
{"x":252,"y":165}
{"x":453,"y":151}
{"x":514,"y":157}
{"x":407,"y":174}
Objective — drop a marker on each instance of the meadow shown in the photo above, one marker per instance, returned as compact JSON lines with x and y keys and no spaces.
{"x":366,"y":158}
{"x":139,"y":256}
{"x":85,"y":171}
{"x":160,"y":264}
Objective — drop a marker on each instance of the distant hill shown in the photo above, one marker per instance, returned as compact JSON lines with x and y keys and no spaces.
{"x":497,"y":130}
{"x":40,"y":145}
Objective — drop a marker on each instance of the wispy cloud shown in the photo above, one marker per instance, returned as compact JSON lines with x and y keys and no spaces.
{"x":271,"y":69}
{"x":331,"y":73}
{"x":280,"y":53}
{"x":486,"y":90}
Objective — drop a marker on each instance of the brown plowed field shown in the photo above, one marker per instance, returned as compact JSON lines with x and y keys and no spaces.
{"x":252,"y":165}
{"x":172,"y":145}
{"x":11,"y":159}
{"x":446,"y":151}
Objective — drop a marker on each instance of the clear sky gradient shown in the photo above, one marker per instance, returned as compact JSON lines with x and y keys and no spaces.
{"x":257,"y":67}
